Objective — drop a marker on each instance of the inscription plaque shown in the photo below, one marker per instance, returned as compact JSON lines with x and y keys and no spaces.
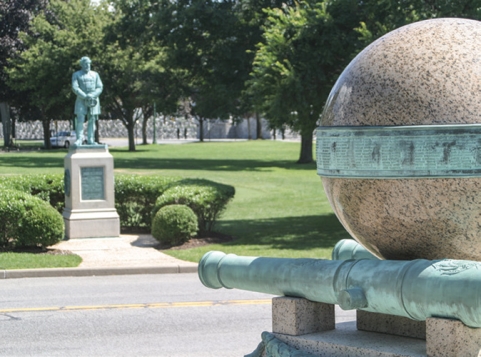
{"x":399,"y":152}
{"x":92,"y":181}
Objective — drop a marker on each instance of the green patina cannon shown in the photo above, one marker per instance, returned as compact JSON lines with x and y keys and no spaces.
{"x":416,"y":289}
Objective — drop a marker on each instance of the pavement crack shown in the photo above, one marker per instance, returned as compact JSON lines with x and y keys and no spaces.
{"x":11,"y":317}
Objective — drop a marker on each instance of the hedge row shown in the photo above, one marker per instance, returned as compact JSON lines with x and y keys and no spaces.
{"x":206,"y":198}
{"x":135,"y":197}
{"x":138,"y":197}
{"x":47,"y":187}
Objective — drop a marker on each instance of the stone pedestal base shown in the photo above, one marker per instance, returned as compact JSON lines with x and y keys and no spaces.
{"x":390,"y":324}
{"x":91,"y":223}
{"x":293,"y":316}
{"x":89,"y":193}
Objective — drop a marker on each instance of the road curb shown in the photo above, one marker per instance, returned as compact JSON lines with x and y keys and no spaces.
{"x":61,"y":272}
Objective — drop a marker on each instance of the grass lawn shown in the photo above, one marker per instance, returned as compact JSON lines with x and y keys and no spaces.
{"x":279,"y":209}
{"x":33,"y":261}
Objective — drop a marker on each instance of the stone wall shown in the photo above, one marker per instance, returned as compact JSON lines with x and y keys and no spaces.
{"x":166,"y":128}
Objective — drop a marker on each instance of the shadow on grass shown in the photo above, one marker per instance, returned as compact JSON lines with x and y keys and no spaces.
{"x":31,"y":161}
{"x":298,"y":233}
{"x":138,"y":163}
{"x":207,"y":164}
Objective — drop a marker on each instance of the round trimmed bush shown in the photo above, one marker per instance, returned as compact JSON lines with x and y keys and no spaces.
{"x":174,"y":224}
{"x":42,"y":225}
{"x":27,"y":221}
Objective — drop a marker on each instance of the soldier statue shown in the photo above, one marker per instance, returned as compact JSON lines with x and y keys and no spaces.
{"x":86,"y":84}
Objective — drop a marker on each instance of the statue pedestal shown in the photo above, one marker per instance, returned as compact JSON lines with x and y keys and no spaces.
{"x":89,"y":193}
{"x":304,"y":328}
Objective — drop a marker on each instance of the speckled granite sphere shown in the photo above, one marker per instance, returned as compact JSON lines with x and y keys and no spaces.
{"x":426,"y":73}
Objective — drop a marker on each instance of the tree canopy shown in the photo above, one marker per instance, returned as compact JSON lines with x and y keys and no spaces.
{"x":219,"y":58}
{"x":305,"y":49}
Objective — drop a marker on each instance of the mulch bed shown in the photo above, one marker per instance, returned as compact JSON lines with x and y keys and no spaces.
{"x":40,"y":251}
{"x":213,"y":237}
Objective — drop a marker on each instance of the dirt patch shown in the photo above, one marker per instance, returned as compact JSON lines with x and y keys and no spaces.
{"x":213,"y":238}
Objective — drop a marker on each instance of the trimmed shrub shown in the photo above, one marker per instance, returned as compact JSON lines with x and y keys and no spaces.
{"x":135,"y":197}
{"x":138,"y":197}
{"x":174,"y":224}
{"x":27,"y":221}
{"x":49,"y":188}
{"x":206,"y":198}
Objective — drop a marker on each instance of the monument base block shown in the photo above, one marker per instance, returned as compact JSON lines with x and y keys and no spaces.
{"x":437,"y":337}
{"x":91,"y":224}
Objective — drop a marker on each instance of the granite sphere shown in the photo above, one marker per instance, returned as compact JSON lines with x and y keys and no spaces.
{"x":426,"y":73}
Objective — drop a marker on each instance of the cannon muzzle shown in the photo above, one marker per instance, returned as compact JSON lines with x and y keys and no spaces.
{"x":416,"y":289}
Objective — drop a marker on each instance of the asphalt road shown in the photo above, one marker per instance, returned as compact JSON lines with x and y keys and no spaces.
{"x":133,"y":315}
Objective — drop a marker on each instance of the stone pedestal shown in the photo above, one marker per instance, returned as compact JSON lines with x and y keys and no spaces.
{"x":302,"y":328}
{"x":451,"y":338}
{"x":89,"y":193}
{"x":297,"y":316}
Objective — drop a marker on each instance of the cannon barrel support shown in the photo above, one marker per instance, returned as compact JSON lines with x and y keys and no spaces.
{"x":350,"y":249}
{"x":416,"y":289}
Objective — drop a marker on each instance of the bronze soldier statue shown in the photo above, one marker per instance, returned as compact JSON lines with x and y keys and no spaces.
{"x":86,"y":84}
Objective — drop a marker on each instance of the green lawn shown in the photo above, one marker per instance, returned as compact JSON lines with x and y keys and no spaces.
{"x":279,"y":209}
{"x":32,"y":261}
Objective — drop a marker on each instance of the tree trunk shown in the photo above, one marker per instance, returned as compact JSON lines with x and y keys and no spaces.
{"x":129,"y":123}
{"x":306,"y":147}
{"x":131,"y":135}
{"x":46,"y":133}
{"x":144,"y":129}
{"x":201,"y":129}
{"x":97,"y":131}
{"x":249,"y":136}
{"x":5,"y":114}
{"x":258,"y":127}
{"x":14,"y":122}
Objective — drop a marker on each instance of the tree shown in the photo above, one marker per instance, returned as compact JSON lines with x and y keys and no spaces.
{"x":305,"y":49}
{"x":252,"y":17}
{"x":15,"y":16}
{"x":59,"y":36}
{"x":211,"y":44}
{"x":201,"y":39}
{"x":133,"y":64}
{"x":382,"y":16}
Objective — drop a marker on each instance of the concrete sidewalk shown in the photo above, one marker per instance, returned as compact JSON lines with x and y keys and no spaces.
{"x":128,"y":254}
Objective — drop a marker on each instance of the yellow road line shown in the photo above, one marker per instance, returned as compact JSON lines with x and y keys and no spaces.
{"x":158,"y":305}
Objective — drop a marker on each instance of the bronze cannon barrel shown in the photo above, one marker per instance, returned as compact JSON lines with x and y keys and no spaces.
{"x":416,"y":289}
